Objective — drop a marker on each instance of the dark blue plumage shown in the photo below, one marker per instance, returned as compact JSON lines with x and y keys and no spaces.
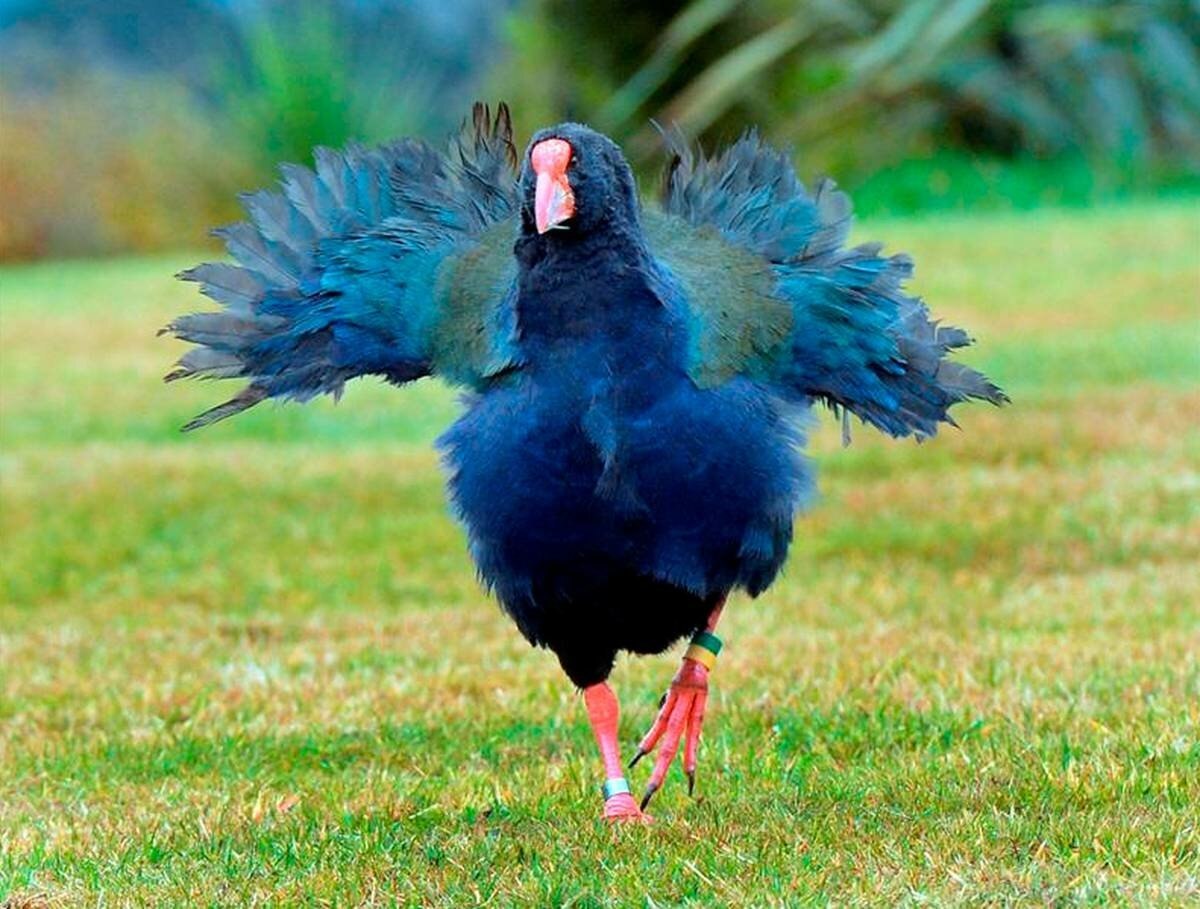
{"x":610,"y":501}
{"x":629,"y":450}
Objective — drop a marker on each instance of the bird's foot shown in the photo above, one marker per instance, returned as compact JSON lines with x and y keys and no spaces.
{"x":623,"y":809}
{"x":681,"y":714}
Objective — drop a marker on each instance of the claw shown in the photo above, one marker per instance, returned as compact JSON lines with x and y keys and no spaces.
{"x":678,"y":723}
{"x":650,"y":790}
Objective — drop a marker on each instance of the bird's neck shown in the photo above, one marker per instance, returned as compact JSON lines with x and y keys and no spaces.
{"x":587,"y":287}
{"x":545,"y":260}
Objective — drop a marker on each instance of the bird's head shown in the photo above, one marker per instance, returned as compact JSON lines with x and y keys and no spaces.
{"x":573,"y":181}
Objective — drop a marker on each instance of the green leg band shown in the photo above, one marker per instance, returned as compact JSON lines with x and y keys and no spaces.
{"x":708,"y":641}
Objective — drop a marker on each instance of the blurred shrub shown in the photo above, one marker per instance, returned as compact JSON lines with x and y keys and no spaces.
{"x":140,"y":121}
{"x":110,"y":163}
{"x":105,"y":150}
{"x":307,"y":74}
{"x":860,"y":85}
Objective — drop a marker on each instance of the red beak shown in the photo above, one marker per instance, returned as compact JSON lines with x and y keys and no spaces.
{"x":553,"y":201}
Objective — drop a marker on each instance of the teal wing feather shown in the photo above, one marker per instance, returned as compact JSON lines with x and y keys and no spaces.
{"x":760,"y":269}
{"x":393,"y":261}
{"x":739,"y":325}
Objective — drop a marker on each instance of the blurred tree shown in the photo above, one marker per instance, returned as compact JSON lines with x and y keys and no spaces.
{"x":911,"y":103}
{"x":1118,"y":83}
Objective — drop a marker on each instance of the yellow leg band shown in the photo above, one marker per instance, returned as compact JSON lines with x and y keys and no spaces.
{"x":701,"y":655}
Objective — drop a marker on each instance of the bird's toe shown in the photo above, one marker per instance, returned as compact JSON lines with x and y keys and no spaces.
{"x":623,"y":809}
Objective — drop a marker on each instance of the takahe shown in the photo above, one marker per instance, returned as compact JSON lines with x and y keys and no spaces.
{"x":639,"y":376}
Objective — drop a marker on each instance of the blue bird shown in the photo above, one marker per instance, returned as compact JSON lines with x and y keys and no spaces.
{"x":638,"y":377}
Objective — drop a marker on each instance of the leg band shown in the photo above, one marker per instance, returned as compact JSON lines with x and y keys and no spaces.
{"x":704,"y":649}
{"x":615,"y":786}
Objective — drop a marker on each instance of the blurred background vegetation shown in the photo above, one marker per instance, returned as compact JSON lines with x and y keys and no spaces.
{"x":132,"y":124}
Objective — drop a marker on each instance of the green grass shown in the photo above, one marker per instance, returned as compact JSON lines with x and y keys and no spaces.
{"x":252,"y":666}
{"x":956,"y":181}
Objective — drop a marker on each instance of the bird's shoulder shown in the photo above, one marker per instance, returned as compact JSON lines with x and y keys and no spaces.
{"x":476,"y":332}
{"x":724,"y":294}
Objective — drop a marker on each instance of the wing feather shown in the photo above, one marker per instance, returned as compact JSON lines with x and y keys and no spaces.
{"x":761,"y":269}
{"x":394,"y":261}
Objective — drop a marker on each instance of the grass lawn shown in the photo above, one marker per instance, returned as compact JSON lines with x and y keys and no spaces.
{"x":252,"y":666}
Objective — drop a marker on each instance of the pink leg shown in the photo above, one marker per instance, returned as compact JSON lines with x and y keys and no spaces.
{"x":604,"y":714}
{"x":681,"y":717}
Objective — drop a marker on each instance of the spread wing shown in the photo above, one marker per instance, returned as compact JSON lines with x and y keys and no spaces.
{"x":759,"y":268}
{"x":393,"y":261}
